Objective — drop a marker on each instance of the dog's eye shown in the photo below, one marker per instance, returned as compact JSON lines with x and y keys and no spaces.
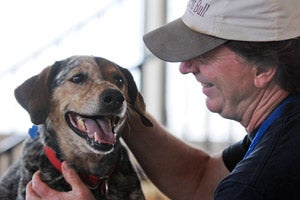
{"x":119,"y":80}
{"x":79,"y":78}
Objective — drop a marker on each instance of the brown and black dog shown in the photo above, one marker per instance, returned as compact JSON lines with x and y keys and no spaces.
{"x":80,"y":105}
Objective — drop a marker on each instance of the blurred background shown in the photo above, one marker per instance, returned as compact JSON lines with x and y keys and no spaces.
{"x":36,"y":33}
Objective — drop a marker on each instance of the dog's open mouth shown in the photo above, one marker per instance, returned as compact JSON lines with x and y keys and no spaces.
{"x":98,"y":130}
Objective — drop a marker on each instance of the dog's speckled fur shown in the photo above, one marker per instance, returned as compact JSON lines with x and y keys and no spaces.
{"x":77,"y":85}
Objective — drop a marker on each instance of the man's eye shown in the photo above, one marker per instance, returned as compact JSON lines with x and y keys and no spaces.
{"x":79,"y":78}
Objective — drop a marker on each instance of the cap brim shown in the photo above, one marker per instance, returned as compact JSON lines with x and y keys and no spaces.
{"x":175,"y":42}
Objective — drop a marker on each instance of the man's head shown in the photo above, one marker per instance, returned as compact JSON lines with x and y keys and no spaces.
{"x":208,"y":24}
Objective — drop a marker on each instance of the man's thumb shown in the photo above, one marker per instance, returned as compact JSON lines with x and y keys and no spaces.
{"x":71,"y":176}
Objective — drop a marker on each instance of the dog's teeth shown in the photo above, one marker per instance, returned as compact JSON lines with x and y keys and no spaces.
{"x":80,"y":123}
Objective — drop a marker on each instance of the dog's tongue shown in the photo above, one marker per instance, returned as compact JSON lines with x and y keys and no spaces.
{"x":100,"y":130}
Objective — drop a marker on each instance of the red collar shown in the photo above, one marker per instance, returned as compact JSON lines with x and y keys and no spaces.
{"x":91,"y":180}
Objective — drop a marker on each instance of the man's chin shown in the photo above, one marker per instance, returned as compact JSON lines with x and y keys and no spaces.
{"x":213,"y":106}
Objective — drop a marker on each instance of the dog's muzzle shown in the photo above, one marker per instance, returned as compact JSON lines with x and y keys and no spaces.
{"x":99,"y":130}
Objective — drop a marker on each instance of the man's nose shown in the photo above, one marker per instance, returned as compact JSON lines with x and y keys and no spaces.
{"x":187,"y":67}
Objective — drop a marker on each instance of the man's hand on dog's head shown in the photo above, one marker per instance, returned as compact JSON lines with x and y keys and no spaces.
{"x":37,"y":189}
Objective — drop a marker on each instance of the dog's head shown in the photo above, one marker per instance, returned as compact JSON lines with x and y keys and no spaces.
{"x":83,"y":100}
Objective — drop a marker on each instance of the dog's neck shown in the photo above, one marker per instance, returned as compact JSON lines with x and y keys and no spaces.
{"x":92,"y":181}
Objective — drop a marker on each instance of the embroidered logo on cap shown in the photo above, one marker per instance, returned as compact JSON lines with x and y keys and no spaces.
{"x":198,"y":7}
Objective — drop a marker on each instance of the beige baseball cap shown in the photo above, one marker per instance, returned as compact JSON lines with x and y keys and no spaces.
{"x":206,"y":24}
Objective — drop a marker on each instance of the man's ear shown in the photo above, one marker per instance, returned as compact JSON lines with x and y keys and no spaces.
{"x":264,"y":77}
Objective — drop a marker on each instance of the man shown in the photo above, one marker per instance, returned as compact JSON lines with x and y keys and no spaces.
{"x":245,"y":54}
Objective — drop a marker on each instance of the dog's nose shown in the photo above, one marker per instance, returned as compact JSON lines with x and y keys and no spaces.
{"x":113,"y":99}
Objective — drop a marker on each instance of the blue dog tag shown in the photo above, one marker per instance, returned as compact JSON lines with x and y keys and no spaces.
{"x":33,"y":131}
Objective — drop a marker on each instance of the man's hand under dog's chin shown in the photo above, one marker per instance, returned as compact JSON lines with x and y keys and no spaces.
{"x":37,"y":189}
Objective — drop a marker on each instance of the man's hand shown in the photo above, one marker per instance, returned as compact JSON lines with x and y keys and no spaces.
{"x":37,"y":189}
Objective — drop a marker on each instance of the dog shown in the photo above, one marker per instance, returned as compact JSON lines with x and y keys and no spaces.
{"x":80,"y":105}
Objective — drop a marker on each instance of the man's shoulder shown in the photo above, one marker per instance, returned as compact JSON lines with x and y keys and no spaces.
{"x":272,"y":170}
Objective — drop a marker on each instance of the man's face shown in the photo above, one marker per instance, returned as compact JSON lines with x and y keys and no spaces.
{"x":227,"y":80}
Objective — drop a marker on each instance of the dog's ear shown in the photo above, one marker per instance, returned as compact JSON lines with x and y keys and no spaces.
{"x":136,"y":99}
{"x":34,"y":94}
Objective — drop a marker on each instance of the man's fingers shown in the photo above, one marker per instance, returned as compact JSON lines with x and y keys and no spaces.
{"x":30,"y":194}
{"x":40,"y":188}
